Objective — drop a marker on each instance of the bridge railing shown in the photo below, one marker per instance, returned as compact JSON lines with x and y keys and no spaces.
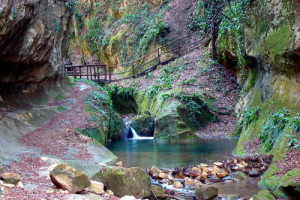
{"x":143,"y":65}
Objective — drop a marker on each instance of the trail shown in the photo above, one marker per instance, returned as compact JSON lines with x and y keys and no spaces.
{"x":55,"y":142}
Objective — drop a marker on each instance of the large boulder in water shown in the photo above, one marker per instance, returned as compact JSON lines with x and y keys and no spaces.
{"x":205,"y":192}
{"x":125,"y":181}
{"x":144,"y":125}
{"x":66,"y":177}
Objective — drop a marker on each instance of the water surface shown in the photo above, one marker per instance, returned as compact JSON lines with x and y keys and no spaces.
{"x":147,"y":153}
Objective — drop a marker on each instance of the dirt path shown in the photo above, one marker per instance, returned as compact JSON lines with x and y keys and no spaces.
{"x":52,"y":141}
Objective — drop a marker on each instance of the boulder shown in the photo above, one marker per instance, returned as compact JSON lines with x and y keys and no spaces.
{"x":71,"y":179}
{"x":264,"y":195}
{"x":222,"y":174}
{"x":205,"y":192}
{"x":96,"y":187}
{"x":11,"y":178}
{"x":125,"y":181}
{"x":158,"y":192}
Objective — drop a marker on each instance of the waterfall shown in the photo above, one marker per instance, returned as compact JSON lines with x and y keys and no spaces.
{"x":129,"y":131}
{"x":134,"y":134}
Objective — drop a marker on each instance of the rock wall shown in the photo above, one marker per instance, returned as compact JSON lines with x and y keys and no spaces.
{"x":273,"y":98}
{"x":33,"y":39}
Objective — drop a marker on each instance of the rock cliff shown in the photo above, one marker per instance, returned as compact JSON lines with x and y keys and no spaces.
{"x":33,"y":39}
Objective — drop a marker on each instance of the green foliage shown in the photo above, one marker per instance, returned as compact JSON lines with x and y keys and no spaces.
{"x":94,"y":34}
{"x":120,"y":90}
{"x":294,"y":143}
{"x":194,"y":104}
{"x":230,"y":28}
{"x":251,"y":115}
{"x":273,"y":127}
{"x":102,"y":113}
{"x":294,"y":123}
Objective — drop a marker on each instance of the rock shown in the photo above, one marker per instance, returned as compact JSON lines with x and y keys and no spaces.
{"x":125,"y":181}
{"x":203,"y":176}
{"x":217,"y":169}
{"x":119,"y":164}
{"x":128,"y":198}
{"x":207,"y":169}
{"x":177,"y":184}
{"x":37,"y":44}
{"x":222,"y":174}
{"x":214,"y":179}
{"x":194,"y":172}
{"x":178,"y":174}
{"x":264,"y":195}
{"x":158,"y":192}
{"x":96,"y":187}
{"x":163,"y":175}
{"x":202,"y":165}
{"x":218,"y":164}
{"x":111,"y":193}
{"x":189,"y":182}
{"x":254,"y":172}
{"x":205,"y":192}
{"x":11,"y":178}
{"x":71,"y":179}
{"x":155,"y":171}
{"x":1,"y":170}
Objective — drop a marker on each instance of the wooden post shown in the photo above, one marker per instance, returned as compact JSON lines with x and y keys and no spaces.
{"x":80,"y":72}
{"x":158,"y":55}
{"x":105,"y":72}
{"x":109,"y":71}
{"x":133,"y":76}
{"x":75,"y":72}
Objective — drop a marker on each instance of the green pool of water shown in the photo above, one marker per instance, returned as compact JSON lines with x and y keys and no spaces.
{"x":147,"y":153}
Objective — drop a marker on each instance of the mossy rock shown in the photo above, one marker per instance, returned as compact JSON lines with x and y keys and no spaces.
{"x":125,"y":181}
{"x":173,"y":120}
{"x":69,"y":178}
{"x":144,"y":125}
{"x":264,"y":195}
{"x":157,"y":193}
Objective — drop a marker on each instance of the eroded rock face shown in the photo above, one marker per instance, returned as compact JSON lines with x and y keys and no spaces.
{"x":33,"y":37}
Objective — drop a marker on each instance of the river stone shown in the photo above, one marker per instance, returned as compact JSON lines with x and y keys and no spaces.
{"x":158,"y":192}
{"x":96,"y":187}
{"x":11,"y":178}
{"x":253,"y":172}
{"x":177,"y":184}
{"x":154,"y":171}
{"x":125,"y":181}
{"x":205,"y":192}
{"x":264,"y":195}
{"x":71,"y":179}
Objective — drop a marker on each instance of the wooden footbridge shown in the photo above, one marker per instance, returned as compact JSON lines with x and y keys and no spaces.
{"x":101,"y":73}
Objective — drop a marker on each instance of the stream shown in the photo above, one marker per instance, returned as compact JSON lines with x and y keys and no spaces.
{"x":148,"y":153}
{"x":145,"y":153}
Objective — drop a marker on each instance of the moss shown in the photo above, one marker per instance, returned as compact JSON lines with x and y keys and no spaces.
{"x":279,"y":40}
{"x":264,"y":195}
{"x":279,"y":184}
